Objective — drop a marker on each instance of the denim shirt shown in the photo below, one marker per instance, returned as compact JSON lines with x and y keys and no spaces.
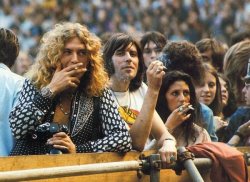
{"x":241,"y":116}
{"x":208,"y":118}
{"x":10,"y":86}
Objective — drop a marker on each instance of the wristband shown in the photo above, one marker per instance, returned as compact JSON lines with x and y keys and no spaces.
{"x":239,"y":135}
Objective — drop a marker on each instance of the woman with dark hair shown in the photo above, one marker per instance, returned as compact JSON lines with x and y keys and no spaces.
{"x":179,"y":109}
{"x":184,"y":56}
{"x":228,"y":106}
{"x":134,"y":99}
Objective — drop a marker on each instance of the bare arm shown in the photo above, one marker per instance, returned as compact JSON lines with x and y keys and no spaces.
{"x":242,"y":132}
{"x":141,"y":128}
{"x":165,"y":141}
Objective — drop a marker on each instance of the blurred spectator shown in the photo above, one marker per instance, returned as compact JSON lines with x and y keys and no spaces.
{"x":11,"y":85}
{"x":152,"y":44}
{"x":235,"y":68}
{"x":212,"y":51}
{"x":192,"y":20}
{"x":240,"y":36}
{"x":22,"y":64}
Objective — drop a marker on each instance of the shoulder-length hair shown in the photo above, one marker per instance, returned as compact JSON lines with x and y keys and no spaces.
{"x":235,"y":68}
{"x":231,"y":105}
{"x":217,"y":51}
{"x":121,"y":41}
{"x":154,"y":36}
{"x":162,"y":104}
{"x":51,"y":50}
{"x":216,"y":104}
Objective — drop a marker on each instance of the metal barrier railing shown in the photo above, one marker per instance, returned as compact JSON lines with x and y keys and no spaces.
{"x":150,"y":165}
{"x":67,"y":171}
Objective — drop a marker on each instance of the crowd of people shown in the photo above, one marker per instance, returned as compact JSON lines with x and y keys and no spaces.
{"x":191,"y":20}
{"x":86,"y":92}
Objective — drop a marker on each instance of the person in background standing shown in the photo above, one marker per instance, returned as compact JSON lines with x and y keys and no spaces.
{"x":22,"y":64}
{"x":152,"y":44}
{"x":212,"y":51}
{"x":11,"y":85}
{"x":235,"y":68}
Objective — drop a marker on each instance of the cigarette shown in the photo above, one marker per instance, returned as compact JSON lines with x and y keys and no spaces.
{"x":190,"y":107}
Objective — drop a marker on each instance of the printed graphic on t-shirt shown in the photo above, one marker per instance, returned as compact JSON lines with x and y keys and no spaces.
{"x":129,"y":115}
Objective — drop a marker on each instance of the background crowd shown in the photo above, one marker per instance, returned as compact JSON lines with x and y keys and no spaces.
{"x":168,"y":73}
{"x":177,"y":19}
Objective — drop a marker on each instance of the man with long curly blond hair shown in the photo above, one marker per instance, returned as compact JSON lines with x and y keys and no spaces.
{"x":65,"y":106}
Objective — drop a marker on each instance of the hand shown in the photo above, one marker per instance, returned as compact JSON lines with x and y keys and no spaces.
{"x":168,"y":152}
{"x":219,"y":123}
{"x":66,"y":78}
{"x":62,"y":141}
{"x":154,"y":75}
{"x":178,"y":116}
{"x":244,"y":129}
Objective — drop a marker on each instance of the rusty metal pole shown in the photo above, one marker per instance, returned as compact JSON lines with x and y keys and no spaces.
{"x":191,"y":168}
{"x":155,"y":166}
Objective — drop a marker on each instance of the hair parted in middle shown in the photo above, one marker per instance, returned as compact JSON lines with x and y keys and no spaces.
{"x":121,"y":41}
{"x":162,"y":105}
{"x":51,"y":49}
{"x":154,"y":36}
{"x":216,"y":104}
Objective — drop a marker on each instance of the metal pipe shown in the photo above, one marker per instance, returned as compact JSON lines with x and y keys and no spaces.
{"x":191,"y":168}
{"x":97,"y":168}
{"x":66,"y":171}
{"x":155,"y":163}
{"x":203,"y":163}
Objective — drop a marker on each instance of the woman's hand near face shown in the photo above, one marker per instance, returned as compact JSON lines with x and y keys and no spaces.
{"x":66,"y":78}
{"x":62,"y":141}
{"x":178,"y":116}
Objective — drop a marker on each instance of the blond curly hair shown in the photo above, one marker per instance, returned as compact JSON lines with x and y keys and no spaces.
{"x":51,"y":49}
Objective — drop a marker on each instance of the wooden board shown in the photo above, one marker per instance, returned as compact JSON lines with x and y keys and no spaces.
{"x":42,"y":161}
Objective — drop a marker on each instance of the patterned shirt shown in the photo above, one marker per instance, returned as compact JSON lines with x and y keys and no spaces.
{"x":91,"y":129}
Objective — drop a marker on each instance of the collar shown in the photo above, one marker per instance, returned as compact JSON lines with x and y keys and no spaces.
{"x":3,"y":66}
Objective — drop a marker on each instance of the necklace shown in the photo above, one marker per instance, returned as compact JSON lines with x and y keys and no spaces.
{"x":62,"y":108}
{"x":124,"y":111}
{"x":129,"y":100}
